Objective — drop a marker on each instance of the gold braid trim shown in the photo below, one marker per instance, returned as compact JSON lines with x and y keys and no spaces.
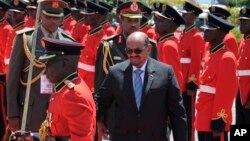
{"x":222,"y":114}
{"x":44,"y":130}
{"x":34,"y":79}
{"x":106,"y":53}
{"x":37,"y":63}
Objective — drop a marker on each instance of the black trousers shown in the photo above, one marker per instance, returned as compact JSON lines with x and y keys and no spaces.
{"x":242,"y":114}
{"x":208,"y":136}
{"x":189,"y":104}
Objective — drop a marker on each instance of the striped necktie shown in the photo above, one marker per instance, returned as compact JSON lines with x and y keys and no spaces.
{"x":138,"y":87}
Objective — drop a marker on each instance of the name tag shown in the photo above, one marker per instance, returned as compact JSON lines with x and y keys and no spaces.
{"x":117,"y":58}
{"x":46,"y":86}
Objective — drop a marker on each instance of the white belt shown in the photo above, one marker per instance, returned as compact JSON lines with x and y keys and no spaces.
{"x":185,"y":60}
{"x":243,"y":73}
{"x":86,"y":67}
{"x":207,"y":89}
{"x":6,"y":61}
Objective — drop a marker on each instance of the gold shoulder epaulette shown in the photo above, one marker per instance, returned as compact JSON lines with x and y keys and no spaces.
{"x":24,"y":30}
{"x":69,"y":84}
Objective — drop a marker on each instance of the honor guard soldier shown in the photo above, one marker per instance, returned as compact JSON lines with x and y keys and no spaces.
{"x":68,"y":20}
{"x":166,"y":23}
{"x":108,"y":29}
{"x":145,"y":25}
{"x":51,"y":15}
{"x":80,"y":30}
{"x":218,"y":84}
{"x":18,"y":11}
{"x":31,"y":13}
{"x":5,"y":28}
{"x":230,"y":40}
{"x":191,"y":45}
{"x":93,"y":17}
{"x":71,"y":113}
{"x":112,"y":50}
{"x":243,"y":70}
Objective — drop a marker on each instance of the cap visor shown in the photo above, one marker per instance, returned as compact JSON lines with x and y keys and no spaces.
{"x":59,"y":15}
{"x":132,"y":16}
{"x":158,"y":14}
{"x":46,"y":57}
{"x":208,"y":27}
{"x":244,"y":18}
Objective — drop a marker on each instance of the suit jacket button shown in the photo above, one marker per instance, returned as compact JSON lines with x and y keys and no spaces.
{"x":138,"y":115}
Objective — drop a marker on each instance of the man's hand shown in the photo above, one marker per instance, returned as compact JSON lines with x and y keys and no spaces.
{"x":101,"y":130}
{"x":217,"y":133}
{"x":190,"y":92}
{"x":14,"y":124}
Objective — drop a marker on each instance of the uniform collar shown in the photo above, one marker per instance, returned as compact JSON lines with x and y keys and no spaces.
{"x":144,"y":25}
{"x":93,"y":31}
{"x":103,"y":23}
{"x":166,"y":37}
{"x":217,"y":48}
{"x":189,"y":28}
{"x":2,"y":20}
{"x":65,"y":81}
{"x":18,"y":25}
{"x":247,"y":37}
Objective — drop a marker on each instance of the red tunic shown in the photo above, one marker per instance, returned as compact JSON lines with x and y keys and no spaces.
{"x":218,"y":88}
{"x":86,"y":66}
{"x":80,"y":32}
{"x":168,"y":52}
{"x":73,"y":111}
{"x":191,"y":43}
{"x":9,"y":45}
{"x":108,"y":29}
{"x":149,"y":30}
{"x":244,"y":69}
{"x":5,"y":30}
{"x":68,"y":25}
{"x":30,"y":22}
{"x":231,"y":43}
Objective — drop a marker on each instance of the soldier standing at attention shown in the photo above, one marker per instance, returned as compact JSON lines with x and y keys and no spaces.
{"x":51,"y":16}
{"x":76,"y":120}
{"x":191,"y":44}
{"x":218,"y":84}
{"x":243,"y":99}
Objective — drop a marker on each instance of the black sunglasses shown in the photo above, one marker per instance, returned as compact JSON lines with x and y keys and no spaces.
{"x":136,"y":51}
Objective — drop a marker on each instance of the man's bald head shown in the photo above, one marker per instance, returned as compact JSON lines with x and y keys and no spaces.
{"x":138,"y":37}
{"x":138,"y":48}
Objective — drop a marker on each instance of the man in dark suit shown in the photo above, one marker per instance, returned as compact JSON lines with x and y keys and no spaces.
{"x":50,"y":19}
{"x":142,"y":101}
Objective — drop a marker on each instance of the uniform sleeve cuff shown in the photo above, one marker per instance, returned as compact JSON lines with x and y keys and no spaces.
{"x":217,"y":125}
{"x":192,"y":86}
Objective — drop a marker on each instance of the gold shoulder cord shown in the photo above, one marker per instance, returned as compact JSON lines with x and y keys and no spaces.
{"x":37,"y":63}
{"x":106,"y":53}
{"x":44,"y":130}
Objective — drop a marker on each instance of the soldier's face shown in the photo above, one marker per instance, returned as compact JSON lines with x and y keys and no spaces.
{"x":130,"y":25}
{"x":51,"y":24}
{"x":211,"y":35}
{"x":244,"y":26}
{"x":2,"y":13}
{"x":162,"y":25}
{"x":52,"y":73}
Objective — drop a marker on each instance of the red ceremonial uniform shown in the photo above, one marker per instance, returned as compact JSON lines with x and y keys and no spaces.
{"x":168,"y":52}
{"x":191,"y":43}
{"x":149,"y":30}
{"x":30,"y":22}
{"x":10,"y":42}
{"x":72,"y":110}
{"x":231,"y":43}
{"x":108,"y":29}
{"x":80,"y":32}
{"x":68,"y":24}
{"x":218,"y":87}
{"x":244,"y":69}
{"x":86,"y":66}
{"x":5,"y":30}
{"x":118,"y":29}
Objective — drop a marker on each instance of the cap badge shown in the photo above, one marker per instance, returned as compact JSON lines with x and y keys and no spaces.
{"x":134,"y":6}
{"x":243,"y":11}
{"x":55,"y":4}
{"x":16,"y":2}
{"x":164,"y":7}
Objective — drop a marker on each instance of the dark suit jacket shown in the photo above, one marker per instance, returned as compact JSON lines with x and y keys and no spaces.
{"x":38,"y":103}
{"x":161,"y":98}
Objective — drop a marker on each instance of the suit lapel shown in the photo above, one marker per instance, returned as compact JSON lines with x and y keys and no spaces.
{"x":128,"y":85}
{"x":148,"y":80}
